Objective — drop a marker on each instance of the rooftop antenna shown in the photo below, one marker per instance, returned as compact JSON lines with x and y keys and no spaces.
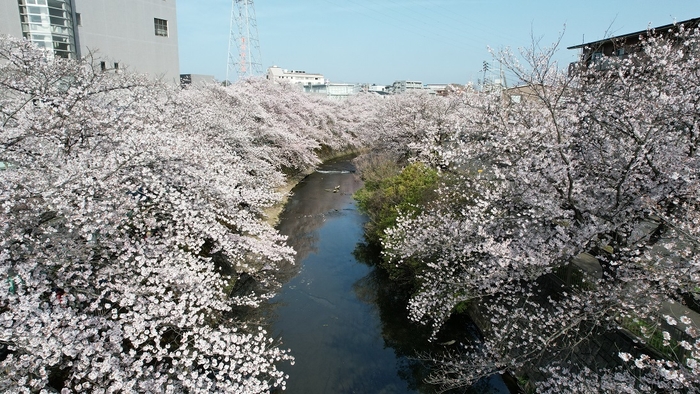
{"x":246,"y":60}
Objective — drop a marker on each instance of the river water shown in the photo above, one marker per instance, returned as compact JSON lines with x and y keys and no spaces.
{"x":344,"y":321}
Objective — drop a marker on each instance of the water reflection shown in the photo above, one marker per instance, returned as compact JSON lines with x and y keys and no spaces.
{"x":318,"y":197}
{"x":409,"y":339}
{"x":345,"y":323}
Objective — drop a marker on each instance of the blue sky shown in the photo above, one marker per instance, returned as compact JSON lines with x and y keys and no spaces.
{"x":434,"y":41}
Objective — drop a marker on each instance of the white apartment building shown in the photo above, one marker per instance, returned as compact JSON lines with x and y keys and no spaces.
{"x":377,"y":88}
{"x":280,"y":75}
{"x":312,"y":83}
{"x":404,"y":86}
{"x":437,"y":88}
{"x":334,"y":91}
{"x":140,"y":35}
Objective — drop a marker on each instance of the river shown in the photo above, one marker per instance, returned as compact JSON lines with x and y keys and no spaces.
{"x":344,"y":321}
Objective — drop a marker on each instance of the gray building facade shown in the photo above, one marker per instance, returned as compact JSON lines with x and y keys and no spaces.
{"x":404,"y":86}
{"x":9,"y":18}
{"x":138,"y":35}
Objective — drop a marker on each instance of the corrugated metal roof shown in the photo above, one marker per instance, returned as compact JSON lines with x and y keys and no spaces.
{"x":692,"y":22}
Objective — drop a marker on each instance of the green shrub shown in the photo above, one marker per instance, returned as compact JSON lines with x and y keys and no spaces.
{"x":388,"y":191}
{"x":406,"y":192}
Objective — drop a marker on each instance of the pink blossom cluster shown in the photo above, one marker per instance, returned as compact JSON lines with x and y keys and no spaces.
{"x":602,"y":162}
{"x":128,"y":211}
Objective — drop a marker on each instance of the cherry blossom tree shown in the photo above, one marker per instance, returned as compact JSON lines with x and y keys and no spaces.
{"x":132,"y":218}
{"x":603,"y":162}
{"x":415,"y":125}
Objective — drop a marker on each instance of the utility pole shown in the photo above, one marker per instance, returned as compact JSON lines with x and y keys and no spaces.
{"x":244,"y":58}
{"x":486,"y":67}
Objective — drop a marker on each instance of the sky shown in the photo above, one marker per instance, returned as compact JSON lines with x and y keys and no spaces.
{"x":433,"y":41}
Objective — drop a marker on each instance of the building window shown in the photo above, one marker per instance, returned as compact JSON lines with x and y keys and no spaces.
{"x":116,"y":66}
{"x":161,"y":26}
{"x":78,"y":19}
{"x":103,"y":66}
{"x":49,"y":25}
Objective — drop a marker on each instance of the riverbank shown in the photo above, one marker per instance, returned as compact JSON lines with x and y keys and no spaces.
{"x":343,"y":318}
{"x":272,"y":213}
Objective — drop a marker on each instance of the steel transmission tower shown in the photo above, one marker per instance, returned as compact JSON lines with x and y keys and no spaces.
{"x":245,"y":61}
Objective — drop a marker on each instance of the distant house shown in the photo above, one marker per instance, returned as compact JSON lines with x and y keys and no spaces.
{"x":594,"y":54}
{"x":439,"y":89}
{"x":373,"y":88}
{"x":519,"y":94}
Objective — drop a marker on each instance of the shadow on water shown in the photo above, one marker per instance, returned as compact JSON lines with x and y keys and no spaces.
{"x":343,"y":320}
{"x":409,"y":339}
